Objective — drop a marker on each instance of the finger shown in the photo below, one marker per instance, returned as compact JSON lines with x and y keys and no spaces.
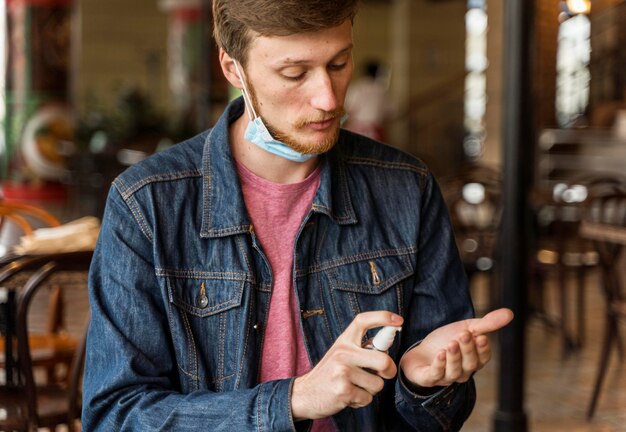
{"x":360,"y":398}
{"x":483,"y":347}
{"x":454,"y":363}
{"x":437,"y":370}
{"x":469,"y":354}
{"x":367,"y":320}
{"x":370,"y":382}
{"x":491,"y":322}
{"x":378,"y":362}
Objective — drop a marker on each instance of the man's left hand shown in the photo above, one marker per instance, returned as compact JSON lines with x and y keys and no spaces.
{"x":452,"y":353}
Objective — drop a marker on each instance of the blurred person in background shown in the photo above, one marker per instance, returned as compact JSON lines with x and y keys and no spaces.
{"x":367,"y":102}
{"x":239,"y":274}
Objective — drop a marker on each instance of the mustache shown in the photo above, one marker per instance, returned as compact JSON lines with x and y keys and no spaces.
{"x":321,"y":117}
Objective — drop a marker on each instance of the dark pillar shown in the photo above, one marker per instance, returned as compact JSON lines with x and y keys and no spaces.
{"x":518,"y":142}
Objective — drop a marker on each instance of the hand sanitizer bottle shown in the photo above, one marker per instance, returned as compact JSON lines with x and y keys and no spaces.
{"x":383,"y":339}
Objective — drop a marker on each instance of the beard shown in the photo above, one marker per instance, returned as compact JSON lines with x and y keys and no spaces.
{"x":299,"y":145}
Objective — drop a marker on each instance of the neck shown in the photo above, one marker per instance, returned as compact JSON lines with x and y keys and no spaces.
{"x":262,"y":163}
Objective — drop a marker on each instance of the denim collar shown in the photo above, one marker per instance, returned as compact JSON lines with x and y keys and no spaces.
{"x":224,"y":210}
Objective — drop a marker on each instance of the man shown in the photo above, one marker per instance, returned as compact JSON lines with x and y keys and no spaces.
{"x":239,"y":273}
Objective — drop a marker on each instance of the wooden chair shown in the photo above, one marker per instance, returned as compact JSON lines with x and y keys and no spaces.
{"x":12,"y":208}
{"x":28,"y":404}
{"x":64,"y":346}
{"x":560,"y":250}
{"x":21,"y":214}
{"x":605,"y":223}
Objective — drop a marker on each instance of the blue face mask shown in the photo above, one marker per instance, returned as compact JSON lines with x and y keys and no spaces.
{"x":257,"y":132}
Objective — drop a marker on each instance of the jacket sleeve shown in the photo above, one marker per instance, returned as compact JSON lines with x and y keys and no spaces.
{"x":131,"y":375}
{"x":440,"y":296}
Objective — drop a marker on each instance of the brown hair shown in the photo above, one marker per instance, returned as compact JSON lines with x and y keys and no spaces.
{"x":234,"y":20}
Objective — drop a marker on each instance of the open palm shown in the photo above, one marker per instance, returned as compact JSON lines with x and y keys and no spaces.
{"x":452,"y":353}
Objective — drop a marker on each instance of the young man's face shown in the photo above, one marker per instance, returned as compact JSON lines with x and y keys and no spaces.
{"x":298,"y":84}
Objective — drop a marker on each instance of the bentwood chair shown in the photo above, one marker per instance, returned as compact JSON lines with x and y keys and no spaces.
{"x":30,"y":404}
{"x":53,"y":347}
{"x":23,"y":215}
{"x":18,"y":213}
{"x":560,"y":251}
{"x":605,"y":223}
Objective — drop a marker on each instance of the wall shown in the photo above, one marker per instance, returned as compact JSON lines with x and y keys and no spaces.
{"x":423,"y":42}
{"x":123,"y":44}
{"x":372,"y":35}
{"x":429,"y":55}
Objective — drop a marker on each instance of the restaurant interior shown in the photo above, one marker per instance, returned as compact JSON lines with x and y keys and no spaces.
{"x":518,"y":107}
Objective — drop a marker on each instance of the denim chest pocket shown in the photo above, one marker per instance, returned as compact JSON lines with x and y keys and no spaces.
{"x":206,"y":323}
{"x":370,"y":284}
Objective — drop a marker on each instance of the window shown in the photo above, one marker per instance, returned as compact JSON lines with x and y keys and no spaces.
{"x":572,"y":64}
{"x":475,"y":81}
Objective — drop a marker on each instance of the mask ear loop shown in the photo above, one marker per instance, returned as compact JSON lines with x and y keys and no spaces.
{"x":246,"y":94}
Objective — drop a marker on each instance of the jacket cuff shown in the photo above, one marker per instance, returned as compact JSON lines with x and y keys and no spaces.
{"x":449,"y":406}
{"x":274,"y":406}
{"x":414,"y":392}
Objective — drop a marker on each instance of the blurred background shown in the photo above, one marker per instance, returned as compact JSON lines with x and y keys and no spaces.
{"x":91,"y":87}
{"x":141,"y":75}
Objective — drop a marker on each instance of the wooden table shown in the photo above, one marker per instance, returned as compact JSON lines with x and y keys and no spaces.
{"x":603,"y":232}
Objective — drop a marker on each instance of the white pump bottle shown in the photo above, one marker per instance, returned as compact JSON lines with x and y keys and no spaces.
{"x":383,"y":339}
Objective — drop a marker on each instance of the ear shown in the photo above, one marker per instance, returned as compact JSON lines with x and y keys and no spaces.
{"x":228,"y":69}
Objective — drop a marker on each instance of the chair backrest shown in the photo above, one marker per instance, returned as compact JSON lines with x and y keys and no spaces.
{"x":607,"y":213}
{"x":560,"y":210}
{"x":10,"y":267}
{"x":17,"y":219}
{"x":23,"y":209}
{"x":473,"y":198}
{"x":48,"y":265}
{"x":22,"y":215}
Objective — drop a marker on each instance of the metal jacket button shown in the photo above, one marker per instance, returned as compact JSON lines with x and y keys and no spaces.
{"x":202,"y":301}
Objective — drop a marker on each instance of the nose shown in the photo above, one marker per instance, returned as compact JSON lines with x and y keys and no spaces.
{"x":323,"y":94}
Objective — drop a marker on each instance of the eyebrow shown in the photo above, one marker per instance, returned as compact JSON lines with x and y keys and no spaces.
{"x":297,"y":62}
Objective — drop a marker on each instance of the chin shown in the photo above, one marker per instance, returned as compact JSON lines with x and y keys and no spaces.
{"x":306,"y":143}
{"x":320,"y":145}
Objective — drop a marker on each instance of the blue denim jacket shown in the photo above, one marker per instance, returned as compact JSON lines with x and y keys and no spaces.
{"x":180,"y":289}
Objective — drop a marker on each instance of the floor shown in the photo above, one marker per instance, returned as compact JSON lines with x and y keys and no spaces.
{"x":558,"y":388}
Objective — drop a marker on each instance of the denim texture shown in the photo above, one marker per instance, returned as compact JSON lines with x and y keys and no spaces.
{"x":180,"y":289}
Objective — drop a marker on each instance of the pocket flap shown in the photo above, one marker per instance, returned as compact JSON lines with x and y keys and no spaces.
{"x":204,"y":297}
{"x":372,"y":276}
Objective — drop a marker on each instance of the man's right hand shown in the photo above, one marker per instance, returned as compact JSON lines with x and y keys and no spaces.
{"x":340,"y":380}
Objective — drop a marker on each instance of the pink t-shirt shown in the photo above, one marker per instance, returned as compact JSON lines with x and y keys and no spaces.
{"x":277,"y":211}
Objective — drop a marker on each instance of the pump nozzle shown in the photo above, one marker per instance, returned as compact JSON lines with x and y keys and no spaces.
{"x":384,"y":338}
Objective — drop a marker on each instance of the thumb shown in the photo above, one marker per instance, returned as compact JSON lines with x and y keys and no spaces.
{"x":491,"y":322}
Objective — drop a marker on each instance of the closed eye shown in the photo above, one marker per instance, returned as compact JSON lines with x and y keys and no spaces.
{"x":295,"y":77}
{"x":337,"y":67}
